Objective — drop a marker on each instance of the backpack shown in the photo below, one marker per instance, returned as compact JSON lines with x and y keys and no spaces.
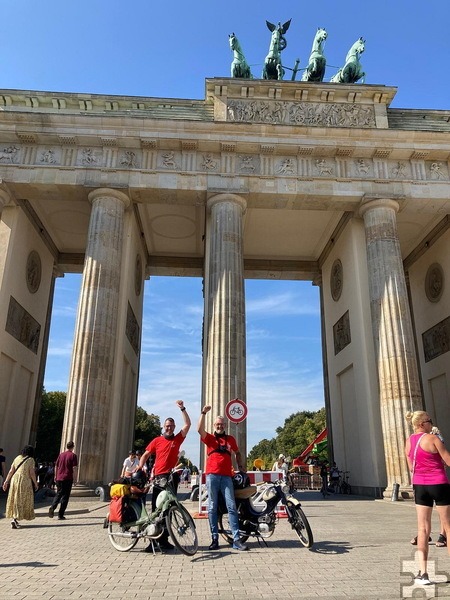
{"x":120,"y":510}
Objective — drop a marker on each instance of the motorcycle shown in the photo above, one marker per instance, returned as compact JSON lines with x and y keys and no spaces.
{"x":256,"y":508}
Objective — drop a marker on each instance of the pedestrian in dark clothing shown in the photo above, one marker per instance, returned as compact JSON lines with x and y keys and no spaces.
{"x":66,"y":470}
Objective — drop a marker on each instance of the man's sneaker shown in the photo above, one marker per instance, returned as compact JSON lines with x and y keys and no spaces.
{"x":15,"y":524}
{"x":61,"y":518}
{"x":51,"y":512}
{"x":239,"y":546}
{"x":214,"y":545}
{"x":422,"y":579}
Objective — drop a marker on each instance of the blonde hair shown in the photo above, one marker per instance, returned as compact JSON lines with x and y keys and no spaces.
{"x":416,"y":417}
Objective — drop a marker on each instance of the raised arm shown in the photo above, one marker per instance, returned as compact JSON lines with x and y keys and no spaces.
{"x":201,"y":421}
{"x":186,"y":418}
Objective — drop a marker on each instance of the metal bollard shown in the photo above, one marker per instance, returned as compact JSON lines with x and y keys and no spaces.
{"x":395,"y":491}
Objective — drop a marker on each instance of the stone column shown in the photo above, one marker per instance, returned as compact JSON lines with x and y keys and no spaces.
{"x":398,"y":374}
{"x":90,"y":386}
{"x":224,"y":329}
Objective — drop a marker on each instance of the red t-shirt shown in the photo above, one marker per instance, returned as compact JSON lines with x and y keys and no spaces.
{"x":219,"y":463}
{"x":166,"y":452}
{"x":64,"y":465}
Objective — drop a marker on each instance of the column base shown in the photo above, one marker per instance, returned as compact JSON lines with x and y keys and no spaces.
{"x":404,"y":493}
{"x":82,"y":491}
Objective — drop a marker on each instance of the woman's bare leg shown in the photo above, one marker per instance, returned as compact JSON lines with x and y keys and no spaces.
{"x":423,"y":533}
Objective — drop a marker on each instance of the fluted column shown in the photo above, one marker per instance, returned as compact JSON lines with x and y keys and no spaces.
{"x":89,"y":395}
{"x":225,"y":343}
{"x":393,"y":333}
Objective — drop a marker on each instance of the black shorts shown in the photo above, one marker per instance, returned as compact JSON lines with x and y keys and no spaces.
{"x":425,"y":495}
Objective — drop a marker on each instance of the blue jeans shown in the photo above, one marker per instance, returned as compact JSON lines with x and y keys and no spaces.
{"x":224,"y":484}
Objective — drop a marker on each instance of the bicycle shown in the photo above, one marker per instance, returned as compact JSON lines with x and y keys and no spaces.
{"x":344,"y":486}
{"x":140,"y":524}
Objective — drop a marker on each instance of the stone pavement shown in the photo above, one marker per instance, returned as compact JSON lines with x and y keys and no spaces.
{"x":361,"y":551}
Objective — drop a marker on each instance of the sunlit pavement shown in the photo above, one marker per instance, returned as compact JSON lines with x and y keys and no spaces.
{"x":361,"y":550}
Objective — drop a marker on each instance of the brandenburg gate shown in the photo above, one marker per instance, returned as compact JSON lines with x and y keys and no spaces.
{"x":262,"y":179}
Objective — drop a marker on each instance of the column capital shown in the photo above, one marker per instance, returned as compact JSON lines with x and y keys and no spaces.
{"x":109,"y":193}
{"x":234,"y":198}
{"x":370,"y":202}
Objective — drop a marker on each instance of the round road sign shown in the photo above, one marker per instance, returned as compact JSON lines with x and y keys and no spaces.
{"x":236,"y":410}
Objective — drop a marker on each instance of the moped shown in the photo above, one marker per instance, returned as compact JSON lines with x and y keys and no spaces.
{"x":258,"y":517}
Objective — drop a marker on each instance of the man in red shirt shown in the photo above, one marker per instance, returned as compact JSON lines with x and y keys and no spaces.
{"x":219,"y":471}
{"x":166,"y":449}
{"x":66,"y":468}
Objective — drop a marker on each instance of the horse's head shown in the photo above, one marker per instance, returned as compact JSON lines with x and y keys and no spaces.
{"x":357,"y":49}
{"x":321,"y":34}
{"x":359,"y":46}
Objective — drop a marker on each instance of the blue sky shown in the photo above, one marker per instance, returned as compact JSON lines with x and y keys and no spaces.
{"x":167,"y":49}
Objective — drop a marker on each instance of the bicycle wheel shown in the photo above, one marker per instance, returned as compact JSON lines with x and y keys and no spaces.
{"x":302,"y":528}
{"x":225,"y":530}
{"x":182,"y":530}
{"x":122,"y":536}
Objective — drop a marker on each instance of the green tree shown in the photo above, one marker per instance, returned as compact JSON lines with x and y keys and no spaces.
{"x":265,"y":451}
{"x":298,"y":431}
{"x":147,"y":427}
{"x":50,"y":424}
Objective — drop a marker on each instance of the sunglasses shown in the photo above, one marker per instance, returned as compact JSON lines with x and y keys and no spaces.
{"x":428,"y":421}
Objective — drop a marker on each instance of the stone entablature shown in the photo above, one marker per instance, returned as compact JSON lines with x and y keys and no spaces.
{"x":308,"y":162}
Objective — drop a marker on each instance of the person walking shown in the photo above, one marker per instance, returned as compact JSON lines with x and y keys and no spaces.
{"x":324,"y":478}
{"x":21,"y":481}
{"x":165,"y":450}
{"x":219,"y":470}
{"x":66,"y":470}
{"x":427,"y":456}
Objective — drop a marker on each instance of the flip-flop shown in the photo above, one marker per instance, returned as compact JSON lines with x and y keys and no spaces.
{"x":441,"y":541}
{"x":414,"y":541}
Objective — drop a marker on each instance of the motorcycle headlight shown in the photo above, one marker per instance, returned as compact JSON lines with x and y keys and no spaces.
{"x":285,"y":489}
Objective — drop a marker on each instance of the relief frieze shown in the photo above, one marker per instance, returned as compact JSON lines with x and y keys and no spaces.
{"x":132,"y":330}
{"x":302,"y":164}
{"x":341,"y":333}
{"x":307,"y":114}
{"x":22,"y":326}
{"x":436,"y":340}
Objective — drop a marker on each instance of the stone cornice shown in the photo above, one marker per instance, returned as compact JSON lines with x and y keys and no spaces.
{"x":298,"y":91}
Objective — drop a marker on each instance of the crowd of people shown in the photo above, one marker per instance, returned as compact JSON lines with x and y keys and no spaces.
{"x":24,"y":478}
{"x":425,"y":453}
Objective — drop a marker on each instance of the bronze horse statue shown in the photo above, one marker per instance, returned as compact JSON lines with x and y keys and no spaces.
{"x":273,"y":68}
{"x":351,"y":72}
{"x":317,"y":61}
{"x":239,"y":66}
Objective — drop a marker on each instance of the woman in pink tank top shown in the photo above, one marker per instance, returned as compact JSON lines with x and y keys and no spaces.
{"x":427,"y":457}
